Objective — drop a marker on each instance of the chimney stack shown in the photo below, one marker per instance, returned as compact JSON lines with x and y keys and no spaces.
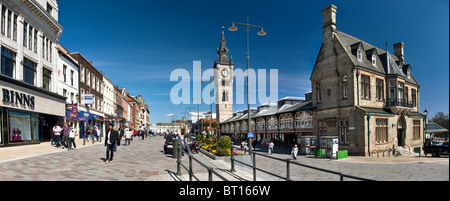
{"x":399,"y":52}
{"x":329,"y":21}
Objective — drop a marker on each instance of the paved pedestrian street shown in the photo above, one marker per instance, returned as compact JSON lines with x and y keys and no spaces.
{"x":140,"y":161}
{"x":144,"y":161}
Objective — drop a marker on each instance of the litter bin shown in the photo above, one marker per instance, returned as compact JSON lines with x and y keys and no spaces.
{"x":342,"y":154}
{"x":320,"y":153}
{"x":176,"y":144}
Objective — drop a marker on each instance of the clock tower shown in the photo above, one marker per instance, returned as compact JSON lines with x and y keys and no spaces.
{"x":223,"y":76}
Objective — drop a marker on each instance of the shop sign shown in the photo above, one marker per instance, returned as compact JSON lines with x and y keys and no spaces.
{"x":71,"y":115}
{"x":14,"y":97}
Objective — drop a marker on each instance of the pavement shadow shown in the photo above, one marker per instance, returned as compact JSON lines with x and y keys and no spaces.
{"x":173,"y":175}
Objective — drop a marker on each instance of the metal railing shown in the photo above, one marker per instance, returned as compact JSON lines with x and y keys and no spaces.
{"x":400,"y":103}
{"x":288,"y":162}
{"x":211,"y":170}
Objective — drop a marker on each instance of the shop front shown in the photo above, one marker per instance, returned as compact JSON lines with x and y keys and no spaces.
{"x":90,"y":119}
{"x":26,"y":117}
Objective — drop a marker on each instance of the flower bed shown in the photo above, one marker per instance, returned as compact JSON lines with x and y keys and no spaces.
{"x":217,"y":147}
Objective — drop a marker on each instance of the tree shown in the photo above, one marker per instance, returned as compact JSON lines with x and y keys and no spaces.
{"x":206,"y":125}
{"x":215,"y":125}
{"x":441,"y":119}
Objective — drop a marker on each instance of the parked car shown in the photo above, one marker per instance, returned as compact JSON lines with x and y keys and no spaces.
{"x":436,"y":149}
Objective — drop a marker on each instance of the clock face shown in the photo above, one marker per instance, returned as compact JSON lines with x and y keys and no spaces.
{"x":225,"y":73}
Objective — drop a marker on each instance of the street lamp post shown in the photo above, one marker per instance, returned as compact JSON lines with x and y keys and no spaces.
{"x":261,"y":33}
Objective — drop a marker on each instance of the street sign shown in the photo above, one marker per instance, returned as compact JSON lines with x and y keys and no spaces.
{"x":250,"y":135}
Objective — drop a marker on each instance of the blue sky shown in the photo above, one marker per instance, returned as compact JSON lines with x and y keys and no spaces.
{"x":138,"y":43}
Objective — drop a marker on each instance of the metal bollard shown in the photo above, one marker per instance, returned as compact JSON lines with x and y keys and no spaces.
{"x":254,"y":166}
{"x":178,"y":160}
{"x":232,"y":159}
{"x":210,"y":177}
{"x":288,"y":161}
{"x":190,"y":168}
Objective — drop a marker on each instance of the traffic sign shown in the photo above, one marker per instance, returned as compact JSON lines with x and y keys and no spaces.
{"x":250,"y":135}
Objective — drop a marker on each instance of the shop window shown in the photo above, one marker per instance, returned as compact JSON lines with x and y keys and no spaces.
{"x":19,"y":126}
{"x":1,"y":126}
{"x":35,"y":120}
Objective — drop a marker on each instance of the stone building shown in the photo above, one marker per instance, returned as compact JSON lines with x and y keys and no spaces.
{"x":223,"y":78}
{"x":29,"y":35}
{"x":286,"y":123}
{"x":365,"y":95}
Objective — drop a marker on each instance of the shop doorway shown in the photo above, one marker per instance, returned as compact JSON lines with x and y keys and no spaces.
{"x":46,"y":123}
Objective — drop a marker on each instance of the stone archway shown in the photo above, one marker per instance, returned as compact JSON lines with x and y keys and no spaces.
{"x":401,"y":131}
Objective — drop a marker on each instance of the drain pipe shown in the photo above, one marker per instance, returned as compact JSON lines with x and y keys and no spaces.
{"x":368,"y":132}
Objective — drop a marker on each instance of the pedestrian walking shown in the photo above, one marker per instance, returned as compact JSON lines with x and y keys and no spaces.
{"x":65,"y":137}
{"x":294,"y":152}
{"x":57,"y":133}
{"x":245,"y":147}
{"x":95,"y":133}
{"x":110,"y":138}
{"x":88,"y":132}
{"x":127,"y":137}
{"x":142,"y":134}
{"x":271,"y":147}
{"x":120,"y":135}
{"x":71,"y":138}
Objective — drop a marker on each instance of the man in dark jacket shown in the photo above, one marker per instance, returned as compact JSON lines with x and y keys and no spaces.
{"x":169,"y":139}
{"x":110,"y":138}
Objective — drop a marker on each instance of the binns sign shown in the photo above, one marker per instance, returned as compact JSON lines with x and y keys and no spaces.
{"x":14,"y":98}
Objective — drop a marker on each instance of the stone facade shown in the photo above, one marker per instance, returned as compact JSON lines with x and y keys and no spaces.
{"x":223,"y":78}
{"x":363,"y":94}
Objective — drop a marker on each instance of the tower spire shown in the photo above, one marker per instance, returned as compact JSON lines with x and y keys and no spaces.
{"x":222,"y":52}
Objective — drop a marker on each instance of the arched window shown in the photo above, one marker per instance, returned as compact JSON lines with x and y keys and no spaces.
{"x":272,"y":122}
{"x":260,"y":124}
{"x":225,"y":96}
{"x":244,"y":126}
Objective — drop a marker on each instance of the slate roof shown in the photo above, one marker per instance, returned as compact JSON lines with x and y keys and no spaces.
{"x":387,"y":63}
{"x":305,"y":105}
{"x":435,"y":128}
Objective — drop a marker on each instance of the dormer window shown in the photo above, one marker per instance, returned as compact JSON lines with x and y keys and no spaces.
{"x":374,"y":60}
{"x":359,"y":54}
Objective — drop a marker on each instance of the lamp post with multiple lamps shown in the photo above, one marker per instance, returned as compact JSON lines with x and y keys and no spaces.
{"x":261,"y":33}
